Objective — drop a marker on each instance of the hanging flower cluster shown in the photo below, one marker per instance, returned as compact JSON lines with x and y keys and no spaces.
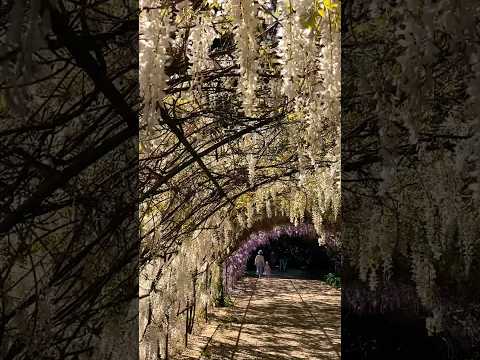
{"x":199,"y":47}
{"x":246,"y":25}
{"x":235,"y":265}
{"x":155,"y":28}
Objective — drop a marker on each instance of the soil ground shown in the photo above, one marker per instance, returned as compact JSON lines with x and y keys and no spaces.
{"x":281,"y":317}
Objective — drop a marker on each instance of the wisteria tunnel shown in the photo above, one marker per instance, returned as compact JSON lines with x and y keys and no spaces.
{"x":239,"y":179}
{"x":229,"y":282}
{"x":245,"y":158}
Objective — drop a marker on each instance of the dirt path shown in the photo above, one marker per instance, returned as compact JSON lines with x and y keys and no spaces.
{"x":276,"y":318}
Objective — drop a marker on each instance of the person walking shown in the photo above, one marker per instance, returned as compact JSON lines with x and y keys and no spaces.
{"x":283,"y":263}
{"x":260,"y":263}
{"x":268,"y":269}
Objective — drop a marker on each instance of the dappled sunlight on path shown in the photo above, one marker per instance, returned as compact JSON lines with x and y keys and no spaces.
{"x":275,"y":318}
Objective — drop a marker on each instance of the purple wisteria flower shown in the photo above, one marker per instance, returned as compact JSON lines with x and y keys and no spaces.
{"x":236,"y":264}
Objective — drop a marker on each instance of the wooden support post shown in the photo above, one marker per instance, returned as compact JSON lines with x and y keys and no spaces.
{"x":166,"y":338}
{"x":206,"y":291}
{"x":186,"y":324}
{"x":226,"y":279}
{"x":193,"y":304}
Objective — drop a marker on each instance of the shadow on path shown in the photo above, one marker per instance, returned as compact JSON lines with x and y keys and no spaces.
{"x":278,"y":318}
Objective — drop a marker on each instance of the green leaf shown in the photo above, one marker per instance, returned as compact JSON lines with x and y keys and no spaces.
{"x":329,"y":4}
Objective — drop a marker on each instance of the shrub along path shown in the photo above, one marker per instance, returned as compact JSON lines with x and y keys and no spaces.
{"x":273,"y":318}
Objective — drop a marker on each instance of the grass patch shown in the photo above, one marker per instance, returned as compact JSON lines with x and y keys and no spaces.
{"x":333,"y":280}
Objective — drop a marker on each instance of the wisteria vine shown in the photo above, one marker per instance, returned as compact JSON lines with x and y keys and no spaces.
{"x":235,"y":265}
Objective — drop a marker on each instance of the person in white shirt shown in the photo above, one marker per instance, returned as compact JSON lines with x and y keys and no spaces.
{"x":260,"y":263}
